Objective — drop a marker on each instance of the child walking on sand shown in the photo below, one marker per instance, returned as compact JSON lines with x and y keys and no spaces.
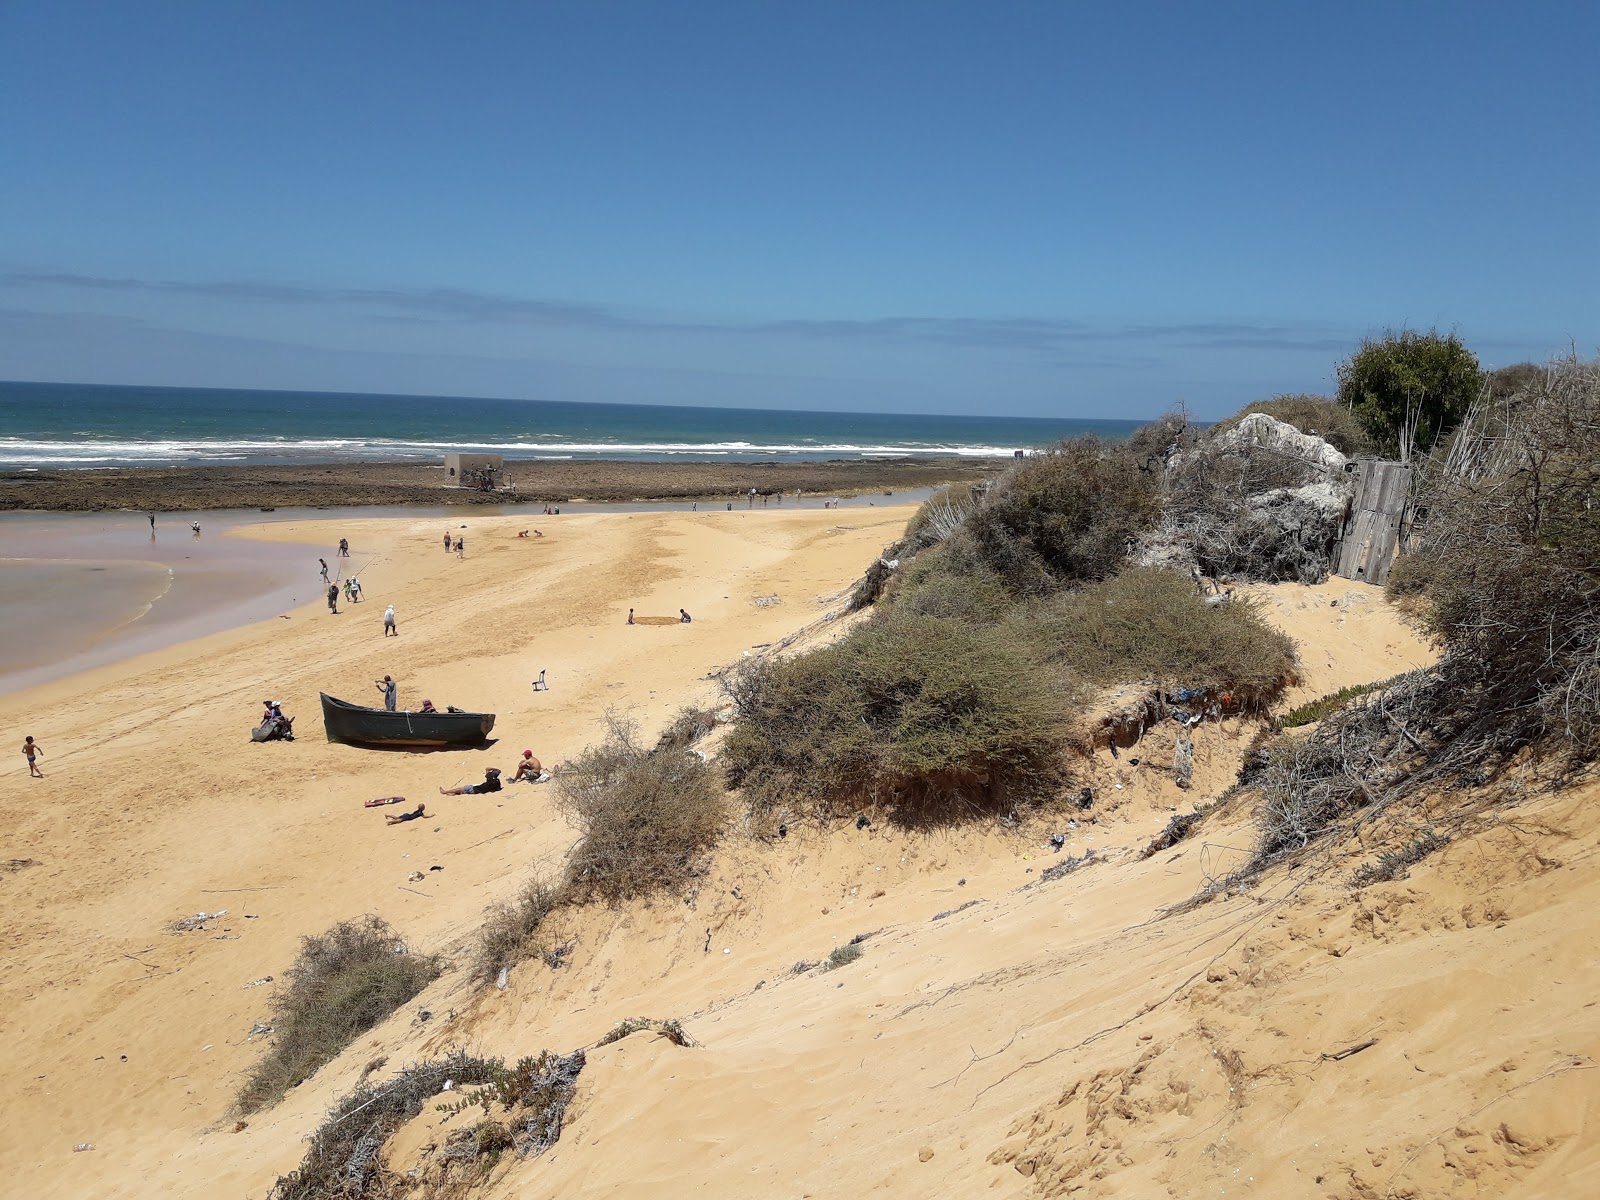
{"x":31,"y":749}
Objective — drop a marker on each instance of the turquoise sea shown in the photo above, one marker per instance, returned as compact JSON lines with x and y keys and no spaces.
{"x":84,"y":425}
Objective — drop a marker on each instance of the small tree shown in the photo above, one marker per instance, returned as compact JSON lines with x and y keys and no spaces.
{"x":1408,"y":389}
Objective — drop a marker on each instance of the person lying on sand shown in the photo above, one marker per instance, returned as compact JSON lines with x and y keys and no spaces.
{"x":420,"y":811}
{"x":528,"y":770}
{"x":491,"y":783}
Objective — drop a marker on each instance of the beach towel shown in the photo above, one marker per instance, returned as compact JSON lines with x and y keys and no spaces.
{"x":379,"y":803}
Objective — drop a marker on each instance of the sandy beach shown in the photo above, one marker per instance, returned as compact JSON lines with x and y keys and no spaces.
{"x":1038,"y":1040}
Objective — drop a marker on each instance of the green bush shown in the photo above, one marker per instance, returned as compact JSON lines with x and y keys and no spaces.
{"x":932,"y":718}
{"x":1065,"y":516}
{"x":343,"y":983}
{"x":1322,"y":416}
{"x":1152,"y":624}
{"x":1409,"y":385}
{"x":644,"y":817}
{"x":951,"y":581}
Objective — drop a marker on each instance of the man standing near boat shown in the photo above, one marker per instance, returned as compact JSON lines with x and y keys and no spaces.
{"x":390,"y":690}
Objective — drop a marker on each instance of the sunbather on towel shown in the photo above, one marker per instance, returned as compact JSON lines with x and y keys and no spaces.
{"x":491,"y":783}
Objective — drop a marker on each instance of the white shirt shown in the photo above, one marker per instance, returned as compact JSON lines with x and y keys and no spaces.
{"x":388,"y":615}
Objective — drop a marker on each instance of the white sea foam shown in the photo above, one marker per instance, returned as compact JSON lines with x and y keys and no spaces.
{"x":91,"y":451}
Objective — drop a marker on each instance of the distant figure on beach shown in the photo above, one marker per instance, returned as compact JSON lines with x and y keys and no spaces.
{"x":390,"y":690}
{"x":324,"y":563}
{"x":528,"y":770}
{"x":630,"y":616}
{"x":491,"y":783}
{"x":447,"y":541}
{"x":730,"y":505}
{"x":684,"y":617}
{"x":333,"y":597}
{"x":523,"y":534}
{"x":388,"y":622}
{"x":344,"y":547}
{"x":195,"y":525}
{"x":420,"y":811}
{"x":352,"y":589}
{"x":461,"y":548}
{"x":31,"y":750}
{"x":152,"y":524}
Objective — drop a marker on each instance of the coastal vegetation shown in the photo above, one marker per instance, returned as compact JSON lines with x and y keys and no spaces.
{"x":1010,"y":607}
{"x":524,"y":1107}
{"x":1504,"y":570}
{"x":343,"y":983}
{"x":1320,"y":416}
{"x":644,"y":816}
{"x":1409,"y":389}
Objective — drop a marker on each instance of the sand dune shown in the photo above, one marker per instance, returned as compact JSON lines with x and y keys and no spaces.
{"x":1428,"y":1037}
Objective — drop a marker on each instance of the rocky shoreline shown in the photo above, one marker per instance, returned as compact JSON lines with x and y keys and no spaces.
{"x":325,"y":485}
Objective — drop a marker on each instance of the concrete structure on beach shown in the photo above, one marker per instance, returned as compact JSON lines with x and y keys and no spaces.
{"x":471,"y":470}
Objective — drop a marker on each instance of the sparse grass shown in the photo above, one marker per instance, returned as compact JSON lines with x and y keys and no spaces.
{"x":843,"y":956}
{"x":510,"y":931}
{"x":673,"y":1031}
{"x":1324,"y":706}
{"x":644,"y":817}
{"x":343,"y":983}
{"x":1395,"y":864}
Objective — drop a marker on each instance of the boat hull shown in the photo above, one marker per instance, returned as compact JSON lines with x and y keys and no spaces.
{"x":356,"y":725}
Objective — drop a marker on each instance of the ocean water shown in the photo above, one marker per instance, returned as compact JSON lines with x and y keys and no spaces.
{"x":83,"y":425}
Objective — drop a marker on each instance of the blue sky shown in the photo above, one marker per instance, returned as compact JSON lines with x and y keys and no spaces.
{"x":1020,"y":208}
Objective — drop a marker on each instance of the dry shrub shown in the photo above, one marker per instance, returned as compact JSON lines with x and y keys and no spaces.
{"x":345,"y":1158}
{"x":343,"y":983}
{"x":1396,"y":864}
{"x":1066,"y":516}
{"x":843,"y":956}
{"x":1253,"y":513}
{"x":1506,"y":552}
{"x":931,"y":718}
{"x":1152,"y":624}
{"x":1321,"y":416}
{"x":688,"y":727}
{"x":510,"y":931}
{"x":672,"y":1030}
{"x":1307,"y":785}
{"x":644,"y":816}
{"x":1152,"y":445}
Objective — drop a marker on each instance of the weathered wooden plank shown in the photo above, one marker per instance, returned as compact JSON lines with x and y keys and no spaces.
{"x":1372,"y":533}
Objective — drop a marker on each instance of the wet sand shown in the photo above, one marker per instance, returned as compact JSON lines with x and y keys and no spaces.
{"x":167,"y":489}
{"x":80,"y":590}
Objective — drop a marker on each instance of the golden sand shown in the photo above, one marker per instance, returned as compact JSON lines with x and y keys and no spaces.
{"x":1051,"y":1039}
